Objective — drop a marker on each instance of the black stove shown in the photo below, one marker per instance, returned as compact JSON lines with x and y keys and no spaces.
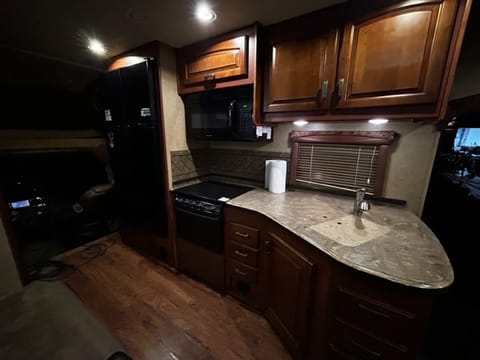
{"x":212,"y":191}
{"x":207,"y":198}
{"x":199,"y":229}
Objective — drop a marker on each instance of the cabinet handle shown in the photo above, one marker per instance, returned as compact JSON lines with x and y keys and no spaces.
{"x":366,"y":349}
{"x":210,"y":76}
{"x":240,"y":272}
{"x":373,"y":311}
{"x":268,"y":247}
{"x":324,"y":92}
{"x":241,"y":253}
{"x":340,"y":86}
{"x":241,"y":234}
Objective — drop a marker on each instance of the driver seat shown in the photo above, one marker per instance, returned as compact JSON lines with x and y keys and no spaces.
{"x":94,"y":213}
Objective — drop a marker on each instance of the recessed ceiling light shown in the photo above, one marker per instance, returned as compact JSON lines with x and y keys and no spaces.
{"x":378,"y":121}
{"x":300,"y":122}
{"x":96,"y":47}
{"x":205,"y":14}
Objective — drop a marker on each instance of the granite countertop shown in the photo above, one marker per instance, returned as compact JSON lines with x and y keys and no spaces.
{"x":405,"y":252}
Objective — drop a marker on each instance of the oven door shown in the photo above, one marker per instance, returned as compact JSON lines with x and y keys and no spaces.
{"x":202,"y":230}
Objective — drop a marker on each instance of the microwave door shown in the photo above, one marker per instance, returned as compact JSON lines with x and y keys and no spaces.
{"x":196,"y":123}
{"x":219,"y":124}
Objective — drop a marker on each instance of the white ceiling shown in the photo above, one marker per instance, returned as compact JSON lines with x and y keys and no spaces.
{"x":57,"y":29}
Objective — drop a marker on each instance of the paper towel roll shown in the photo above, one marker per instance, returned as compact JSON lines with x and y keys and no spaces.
{"x":276,"y":175}
{"x":267,"y":172}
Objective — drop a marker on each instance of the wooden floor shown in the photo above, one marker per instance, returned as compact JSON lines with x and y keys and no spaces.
{"x":157,"y":314}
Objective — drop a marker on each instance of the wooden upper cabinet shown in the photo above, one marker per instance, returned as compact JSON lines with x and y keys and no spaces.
{"x":224,"y":61}
{"x":396,"y":58}
{"x":397,"y":61}
{"x":219,"y":61}
{"x":300,"y":74}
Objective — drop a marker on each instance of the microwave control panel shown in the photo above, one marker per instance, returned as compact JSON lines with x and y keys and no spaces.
{"x":245,"y":111}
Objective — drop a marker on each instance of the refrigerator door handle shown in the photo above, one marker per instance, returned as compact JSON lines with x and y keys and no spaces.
{"x":111,"y":139}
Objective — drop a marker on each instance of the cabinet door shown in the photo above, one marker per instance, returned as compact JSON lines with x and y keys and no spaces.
{"x":216,"y":62}
{"x":396,"y":58}
{"x":300,"y":74}
{"x":288,"y":284}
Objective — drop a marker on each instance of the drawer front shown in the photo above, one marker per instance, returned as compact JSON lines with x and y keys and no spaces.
{"x":335,"y":352}
{"x":348,"y":342}
{"x":378,"y":318}
{"x":244,"y":235}
{"x":243,"y":272}
{"x":243,"y":254}
{"x":242,"y":284}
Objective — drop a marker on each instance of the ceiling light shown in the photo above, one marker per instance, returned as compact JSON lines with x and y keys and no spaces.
{"x":96,"y":47}
{"x":378,"y":121}
{"x":300,"y":122}
{"x":205,"y":14}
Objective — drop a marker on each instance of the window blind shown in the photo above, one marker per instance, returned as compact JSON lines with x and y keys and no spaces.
{"x":339,"y":166}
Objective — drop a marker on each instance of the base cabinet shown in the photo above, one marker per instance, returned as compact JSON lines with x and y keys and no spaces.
{"x":288,"y":286}
{"x":243,"y":262}
{"x":320,"y":308}
{"x":374,"y":319}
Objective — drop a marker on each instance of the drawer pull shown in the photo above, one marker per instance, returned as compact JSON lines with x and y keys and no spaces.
{"x":208,"y":77}
{"x":340,"y":85}
{"x":365,"y":349}
{"x":240,"y":272}
{"x":241,"y":234}
{"x":373,"y":311}
{"x":242,"y":254}
{"x":268,"y":247}
{"x":324,"y":91}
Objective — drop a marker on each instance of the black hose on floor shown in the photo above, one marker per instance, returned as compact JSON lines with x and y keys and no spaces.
{"x":54,"y":270}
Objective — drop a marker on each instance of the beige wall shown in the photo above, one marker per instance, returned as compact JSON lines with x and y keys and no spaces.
{"x":173,"y":113}
{"x":410,"y":159}
{"x":9,"y":279}
{"x":173,"y":110}
{"x":409,"y":163}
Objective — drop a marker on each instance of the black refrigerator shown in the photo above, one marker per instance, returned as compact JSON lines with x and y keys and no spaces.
{"x":133,"y":137}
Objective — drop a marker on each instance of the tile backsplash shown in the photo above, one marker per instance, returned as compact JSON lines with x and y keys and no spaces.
{"x":189,"y":165}
{"x":247,"y":165}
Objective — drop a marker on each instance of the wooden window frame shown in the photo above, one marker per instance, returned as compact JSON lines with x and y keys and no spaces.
{"x":382,"y":139}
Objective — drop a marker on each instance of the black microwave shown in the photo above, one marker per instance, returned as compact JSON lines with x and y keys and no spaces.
{"x":222,"y":114}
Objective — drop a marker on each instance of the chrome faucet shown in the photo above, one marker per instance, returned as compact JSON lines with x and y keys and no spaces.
{"x":360,"y":204}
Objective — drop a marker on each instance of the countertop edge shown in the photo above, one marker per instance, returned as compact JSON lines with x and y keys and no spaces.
{"x":439,"y":285}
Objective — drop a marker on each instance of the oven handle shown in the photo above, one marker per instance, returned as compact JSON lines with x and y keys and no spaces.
{"x":197,"y":214}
